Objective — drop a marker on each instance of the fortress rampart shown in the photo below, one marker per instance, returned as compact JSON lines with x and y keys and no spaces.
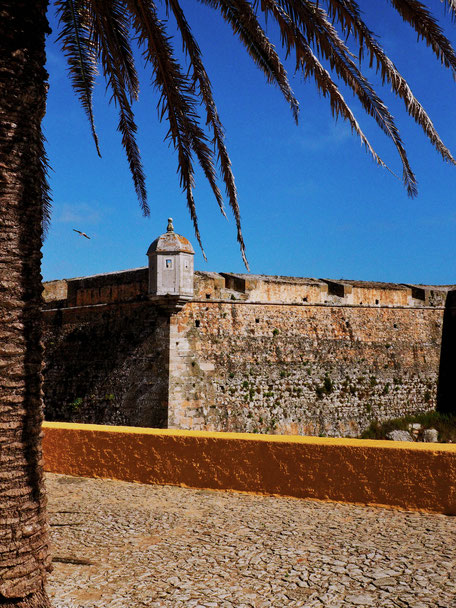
{"x":247,"y":353}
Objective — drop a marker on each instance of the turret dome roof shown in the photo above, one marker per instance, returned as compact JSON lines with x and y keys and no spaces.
{"x":170,"y":242}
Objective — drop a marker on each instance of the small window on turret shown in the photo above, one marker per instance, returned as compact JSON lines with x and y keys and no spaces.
{"x":169,"y":264}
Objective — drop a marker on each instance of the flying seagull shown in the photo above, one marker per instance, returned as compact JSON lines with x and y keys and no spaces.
{"x":81,"y":233}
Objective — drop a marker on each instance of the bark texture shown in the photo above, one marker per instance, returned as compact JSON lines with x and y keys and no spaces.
{"x":24,"y":556}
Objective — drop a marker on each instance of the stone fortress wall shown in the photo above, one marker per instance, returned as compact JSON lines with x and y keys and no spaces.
{"x":248,"y":353}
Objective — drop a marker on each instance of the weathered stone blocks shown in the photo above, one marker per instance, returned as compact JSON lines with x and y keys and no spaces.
{"x":248,"y":353}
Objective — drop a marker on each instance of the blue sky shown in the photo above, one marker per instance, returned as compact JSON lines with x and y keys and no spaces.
{"x":313,"y":202}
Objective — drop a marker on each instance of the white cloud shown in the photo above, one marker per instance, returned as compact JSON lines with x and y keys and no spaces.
{"x":333,"y":136}
{"x":77,"y":213}
{"x":56,"y":65}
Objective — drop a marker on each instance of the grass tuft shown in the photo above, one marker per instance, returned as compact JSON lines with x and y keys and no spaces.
{"x":445,"y":424}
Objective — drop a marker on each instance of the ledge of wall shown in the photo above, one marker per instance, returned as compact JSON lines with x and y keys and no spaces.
{"x":383,"y":473}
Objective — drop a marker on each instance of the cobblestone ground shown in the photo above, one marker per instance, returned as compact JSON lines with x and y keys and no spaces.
{"x":119,"y":544}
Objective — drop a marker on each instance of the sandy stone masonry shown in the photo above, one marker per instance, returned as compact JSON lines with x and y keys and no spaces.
{"x":247,"y":353}
{"x":130,"y":284}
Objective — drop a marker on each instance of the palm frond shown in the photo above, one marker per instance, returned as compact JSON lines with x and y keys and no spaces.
{"x":176,"y":101}
{"x":317,"y":29}
{"x":110,"y":37}
{"x":239,"y":14}
{"x":308,"y":63}
{"x":348,"y":14}
{"x":420,"y":18}
{"x":44,"y":186}
{"x":80,"y":52}
{"x":127,"y":128}
{"x":111,"y":24}
{"x":95,"y":30}
{"x":192,"y":209}
{"x":451,"y":7}
{"x":200,"y":75}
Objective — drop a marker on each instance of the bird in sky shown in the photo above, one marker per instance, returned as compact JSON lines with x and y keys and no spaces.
{"x":81,"y":233}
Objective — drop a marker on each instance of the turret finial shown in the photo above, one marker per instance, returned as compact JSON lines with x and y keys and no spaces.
{"x":170,"y":225}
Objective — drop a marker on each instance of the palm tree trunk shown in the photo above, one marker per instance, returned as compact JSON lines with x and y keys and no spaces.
{"x":24,"y":557}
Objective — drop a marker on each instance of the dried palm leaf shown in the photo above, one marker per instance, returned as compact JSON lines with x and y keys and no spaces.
{"x":44,"y":185}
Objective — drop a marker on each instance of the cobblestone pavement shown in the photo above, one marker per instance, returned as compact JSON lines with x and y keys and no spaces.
{"x":119,"y":544}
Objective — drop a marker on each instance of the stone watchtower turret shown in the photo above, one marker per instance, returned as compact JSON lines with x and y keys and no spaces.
{"x":171,"y":269}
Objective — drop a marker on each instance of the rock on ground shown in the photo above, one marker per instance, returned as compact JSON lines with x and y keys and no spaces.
{"x":399,"y":436}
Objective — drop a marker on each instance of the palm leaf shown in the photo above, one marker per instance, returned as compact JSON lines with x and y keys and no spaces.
{"x":44,"y":185}
{"x":239,"y":14}
{"x":318,"y":30}
{"x":348,"y":14}
{"x":111,"y":24}
{"x":200,"y":75}
{"x":308,"y":63}
{"x":81,"y":53}
{"x":451,"y":6}
{"x":110,"y":29}
{"x":419,"y":17}
{"x":176,"y":101}
{"x":100,"y":29}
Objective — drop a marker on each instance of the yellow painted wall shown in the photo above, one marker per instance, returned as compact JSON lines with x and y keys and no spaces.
{"x":415,"y":476}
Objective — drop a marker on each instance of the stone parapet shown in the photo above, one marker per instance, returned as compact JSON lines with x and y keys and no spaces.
{"x":132,"y":284}
{"x":394,"y":474}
